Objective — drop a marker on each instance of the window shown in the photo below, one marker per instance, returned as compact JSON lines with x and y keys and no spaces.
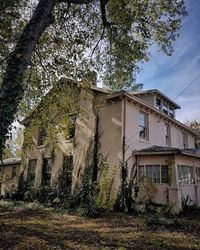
{"x":143,"y":125}
{"x":171,"y":112}
{"x":14,"y":171}
{"x":42,"y":134}
{"x":165,"y":109}
{"x":185,"y":141}
{"x":198,"y":175}
{"x":31,"y":172}
{"x":67,"y":172}
{"x":46,"y":173}
{"x":167,"y":135}
{"x":185,"y":174}
{"x":156,"y":173}
{"x":158,"y":104}
{"x":72,"y":121}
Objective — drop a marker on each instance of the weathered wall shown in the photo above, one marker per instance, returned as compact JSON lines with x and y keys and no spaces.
{"x":84,"y":136}
{"x":110,"y":141}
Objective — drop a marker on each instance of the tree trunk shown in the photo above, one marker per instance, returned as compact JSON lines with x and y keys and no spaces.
{"x":11,"y":89}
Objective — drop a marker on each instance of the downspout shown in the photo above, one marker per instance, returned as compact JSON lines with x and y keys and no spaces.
{"x":123,"y":167}
{"x":95,"y":152}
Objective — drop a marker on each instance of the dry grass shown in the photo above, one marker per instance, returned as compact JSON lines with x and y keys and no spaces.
{"x":28,"y":228}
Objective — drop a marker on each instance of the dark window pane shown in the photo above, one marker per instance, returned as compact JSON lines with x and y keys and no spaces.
{"x":46,"y":173}
{"x":164,"y":174}
{"x":42,"y":134}
{"x":31,"y":172}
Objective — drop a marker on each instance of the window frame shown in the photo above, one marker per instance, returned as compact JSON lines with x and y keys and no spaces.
{"x":47,"y":171}
{"x":185,"y":140}
{"x":183,"y":178}
{"x":42,"y":134}
{"x":14,"y":171}
{"x":31,"y":172}
{"x":144,"y":126}
{"x":153,"y":176}
{"x":167,"y":135}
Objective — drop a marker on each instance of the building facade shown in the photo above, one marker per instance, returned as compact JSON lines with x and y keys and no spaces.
{"x":138,"y":131}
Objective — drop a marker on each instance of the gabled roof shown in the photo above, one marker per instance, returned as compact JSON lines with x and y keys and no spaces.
{"x":11,"y":161}
{"x":137,"y":100}
{"x":159,"y":94}
{"x":153,"y":150}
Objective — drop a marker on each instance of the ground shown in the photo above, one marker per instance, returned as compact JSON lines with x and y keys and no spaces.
{"x":30,"y":227}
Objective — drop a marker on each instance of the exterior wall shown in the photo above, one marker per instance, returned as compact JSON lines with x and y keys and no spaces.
{"x":150,"y":98}
{"x":189,"y":189}
{"x":56,"y":151}
{"x":7,"y":183}
{"x":110,"y":141}
{"x":156,"y":130}
{"x":84,"y":137}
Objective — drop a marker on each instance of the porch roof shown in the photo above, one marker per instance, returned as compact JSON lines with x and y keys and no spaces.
{"x":154,"y":150}
{"x":11,"y":161}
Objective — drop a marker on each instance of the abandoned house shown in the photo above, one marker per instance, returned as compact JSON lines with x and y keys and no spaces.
{"x":136,"y":130}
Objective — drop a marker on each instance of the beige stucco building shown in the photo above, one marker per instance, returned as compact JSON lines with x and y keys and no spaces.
{"x":138,"y":131}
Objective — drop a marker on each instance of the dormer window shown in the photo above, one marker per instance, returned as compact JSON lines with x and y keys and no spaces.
{"x":158,"y":104}
{"x":171,"y":112}
{"x":165,"y":109}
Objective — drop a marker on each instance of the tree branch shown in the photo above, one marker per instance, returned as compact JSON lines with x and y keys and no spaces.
{"x":11,"y":89}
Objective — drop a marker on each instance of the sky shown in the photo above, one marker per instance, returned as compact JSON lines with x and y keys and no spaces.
{"x":181,"y":71}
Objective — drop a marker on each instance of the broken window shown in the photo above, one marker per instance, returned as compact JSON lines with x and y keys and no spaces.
{"x":47,"y":170}
{"x":143,"y":125}
{"x":31,"y":172}
{"x":155,"y":173}
{"x":42,"y":134}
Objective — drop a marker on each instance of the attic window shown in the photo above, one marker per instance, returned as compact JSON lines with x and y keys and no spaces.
{"x":165,"y":109}
{"x":158,"y":103}
{"x":171,"y":112}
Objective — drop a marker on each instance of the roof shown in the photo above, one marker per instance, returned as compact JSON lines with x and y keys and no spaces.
{"x":147,"y":106}
{"x":11,"y":161}
{"x":158,"y":93}
{"x":195,"y":152}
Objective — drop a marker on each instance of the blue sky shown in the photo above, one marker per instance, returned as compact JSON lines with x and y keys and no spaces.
{"x":172,"y":74}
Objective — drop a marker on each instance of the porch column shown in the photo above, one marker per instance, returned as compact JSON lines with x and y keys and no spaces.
{"x":174,"y":191}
